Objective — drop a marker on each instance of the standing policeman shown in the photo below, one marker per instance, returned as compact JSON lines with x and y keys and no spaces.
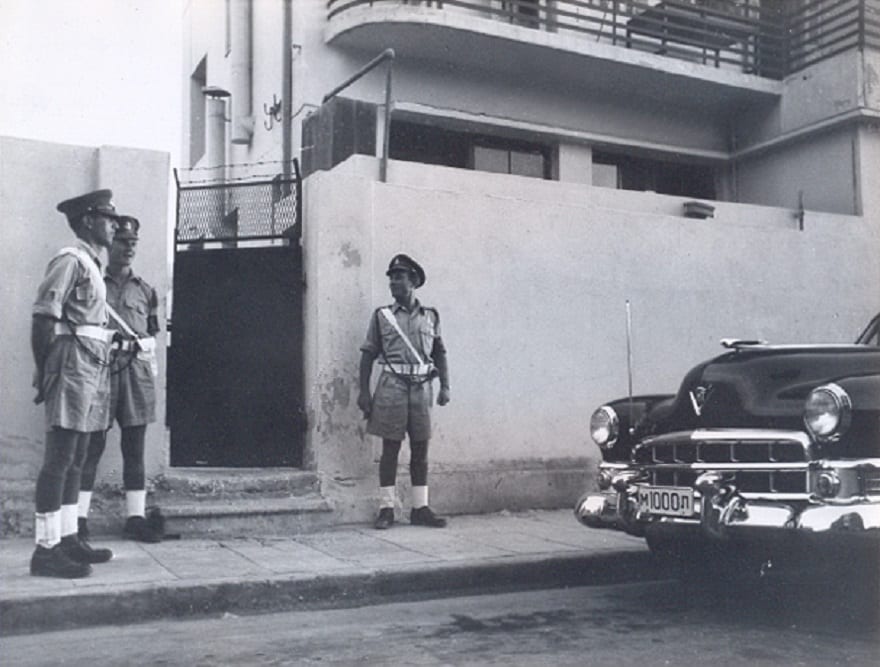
{"x":132,"y":384}
{"x":71,"y":347}
{"x":406,"y":335}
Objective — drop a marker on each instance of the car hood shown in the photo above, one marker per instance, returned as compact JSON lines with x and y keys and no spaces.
{"x":765,"y":385}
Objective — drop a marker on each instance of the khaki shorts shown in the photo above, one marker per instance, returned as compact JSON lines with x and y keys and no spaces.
{"x":132,"y":393}
{"x":76,"y":386}
{"x":400,"y":408}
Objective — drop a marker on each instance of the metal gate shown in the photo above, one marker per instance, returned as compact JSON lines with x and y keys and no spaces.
{"x":235,"y":363}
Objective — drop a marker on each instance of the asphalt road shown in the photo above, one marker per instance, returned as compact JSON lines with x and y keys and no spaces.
{"x":799,"y":622}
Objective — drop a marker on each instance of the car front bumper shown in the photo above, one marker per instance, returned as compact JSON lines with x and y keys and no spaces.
{"x":721,"y":512}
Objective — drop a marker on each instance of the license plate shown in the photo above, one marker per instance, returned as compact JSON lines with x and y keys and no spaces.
{"x":666,"y":500}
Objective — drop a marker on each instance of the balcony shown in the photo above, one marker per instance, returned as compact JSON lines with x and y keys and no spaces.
{"x":723,"y":40}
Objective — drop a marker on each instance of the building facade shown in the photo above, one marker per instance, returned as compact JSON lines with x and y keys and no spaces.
{"x":548,"y":161}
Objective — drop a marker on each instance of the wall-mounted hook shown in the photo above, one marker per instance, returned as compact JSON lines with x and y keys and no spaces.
{"x":273,"y":113}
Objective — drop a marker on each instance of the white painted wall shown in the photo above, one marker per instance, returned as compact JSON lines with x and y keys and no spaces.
{"x":531,"y":278}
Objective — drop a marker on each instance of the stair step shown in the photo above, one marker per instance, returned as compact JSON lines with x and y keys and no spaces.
{"x":235,"y":517}
{"x":220,"y":482}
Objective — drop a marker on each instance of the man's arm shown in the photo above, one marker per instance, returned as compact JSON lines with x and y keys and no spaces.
{"x":153,"y":317}
{"x":438,"y":356}
{"x":42,"y":331}
{"x":365,"y":402}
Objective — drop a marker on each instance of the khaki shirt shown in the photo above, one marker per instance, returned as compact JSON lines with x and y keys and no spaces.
{"x":422,"y":327}
{"x":136,"y":302}
{"x":68,"y":291}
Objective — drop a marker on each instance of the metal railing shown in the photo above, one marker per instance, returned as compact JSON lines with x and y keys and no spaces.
{"x":820,"y":29}
{"x":763,"y":38}
{"x":227,"y":212}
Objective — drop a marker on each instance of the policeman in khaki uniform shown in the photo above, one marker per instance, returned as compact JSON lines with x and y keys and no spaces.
{"x":71,"y":347}
{"x":132,"y":383}
{"x":405,"y":337}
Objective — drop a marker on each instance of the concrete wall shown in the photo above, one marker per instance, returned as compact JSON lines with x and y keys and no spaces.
{"x":774,"y":178}
{"x":531,"y":278}
{"x":34,"y":177}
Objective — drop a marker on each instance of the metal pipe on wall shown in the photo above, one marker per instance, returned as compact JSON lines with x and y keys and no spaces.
{"x":241,"y":71}
{"x":286,"y":89}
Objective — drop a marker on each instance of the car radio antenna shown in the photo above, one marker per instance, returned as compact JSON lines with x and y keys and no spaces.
{"x":629,"y":366}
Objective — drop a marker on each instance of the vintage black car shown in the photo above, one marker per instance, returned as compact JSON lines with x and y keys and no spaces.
{"x":771,"y":449}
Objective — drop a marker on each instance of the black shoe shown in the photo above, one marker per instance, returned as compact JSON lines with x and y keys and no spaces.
{"x":137,"y":528}
{"x":82,"y":552}
{"x":424,"y":516}
{"x":55,"y":563}
{"x":385,"y":518}
{"x":95,"y":555}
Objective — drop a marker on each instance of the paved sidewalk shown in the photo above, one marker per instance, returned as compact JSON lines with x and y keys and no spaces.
{"x":342,"y":566}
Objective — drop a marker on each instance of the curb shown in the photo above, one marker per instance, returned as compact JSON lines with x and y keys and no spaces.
{"x":290,"y":593}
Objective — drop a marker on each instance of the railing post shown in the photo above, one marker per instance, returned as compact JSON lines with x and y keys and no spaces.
{"x":861,"y":25}
{"x":386,"y":138}
{"x":387,"y":54}
{"x":614,"y":22}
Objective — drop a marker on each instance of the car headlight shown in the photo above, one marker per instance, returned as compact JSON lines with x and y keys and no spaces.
{"x":605,"y":427}
{"x":827,"y":412}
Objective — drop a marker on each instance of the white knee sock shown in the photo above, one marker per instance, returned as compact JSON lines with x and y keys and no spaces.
{"x":69,"y":525}
{"x":136,"y":503}
{"x":419,"y":496}
{"x":387,"y":496}
{"x":85,"y":501}
{"x":47,"y":528}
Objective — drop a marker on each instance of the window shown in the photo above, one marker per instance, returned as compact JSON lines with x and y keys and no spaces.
{"x":197,"y":81}
{"x":517,"y":159}
{"x":435,"y":145}
{"x":628,"y":172}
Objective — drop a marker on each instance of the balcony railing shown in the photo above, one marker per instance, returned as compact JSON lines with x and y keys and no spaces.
{"x":770,"y":39}
{"x":820,"y":29}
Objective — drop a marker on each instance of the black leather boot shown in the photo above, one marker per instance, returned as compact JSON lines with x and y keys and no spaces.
{"x":82,"y":552}
{"x":424,"y":516}
{"x":137,"y":528}
{"x":55,"y":563}
{"x":385,"y":518}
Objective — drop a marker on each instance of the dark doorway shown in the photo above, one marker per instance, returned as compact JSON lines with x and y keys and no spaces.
{"x":235,"y":363}
{"x":236,"y":358}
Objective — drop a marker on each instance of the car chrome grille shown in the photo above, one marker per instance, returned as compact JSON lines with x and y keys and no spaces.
{"x":745,"y":481}
{"x":721,"y":450}
{"x":871,"y":482}
{"x":754,"y":462}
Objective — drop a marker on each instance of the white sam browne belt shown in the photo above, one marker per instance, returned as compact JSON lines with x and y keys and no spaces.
{"x":413,"y":370}
{"x":84,"y":331}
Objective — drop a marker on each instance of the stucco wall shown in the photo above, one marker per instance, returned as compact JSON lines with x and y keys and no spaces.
{"x":531,"y":280}
{"x":34,"y":177}
{"x":774,"y":178}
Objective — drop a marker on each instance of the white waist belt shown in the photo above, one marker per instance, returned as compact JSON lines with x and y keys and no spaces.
{"x":146,"y":344}
{"x":410,"y":369}
{"x":84,"y":331}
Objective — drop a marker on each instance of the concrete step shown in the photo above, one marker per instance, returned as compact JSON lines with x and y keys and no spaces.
{"x":223,"y":502}
{"x":259,"y":514}
{"x":237,"y":482}
{"x":242,"y":501}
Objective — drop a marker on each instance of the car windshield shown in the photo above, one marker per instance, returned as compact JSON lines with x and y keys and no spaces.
{"x":871,"y":334}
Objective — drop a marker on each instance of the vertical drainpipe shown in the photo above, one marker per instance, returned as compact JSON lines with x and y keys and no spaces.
{"x":215,"y":160}
{"x":241,"y":71}
{"x":286,"y":90}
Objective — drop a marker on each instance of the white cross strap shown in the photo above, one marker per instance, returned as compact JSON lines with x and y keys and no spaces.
{"x":386,"y":312}
{"x":122,"y":323}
